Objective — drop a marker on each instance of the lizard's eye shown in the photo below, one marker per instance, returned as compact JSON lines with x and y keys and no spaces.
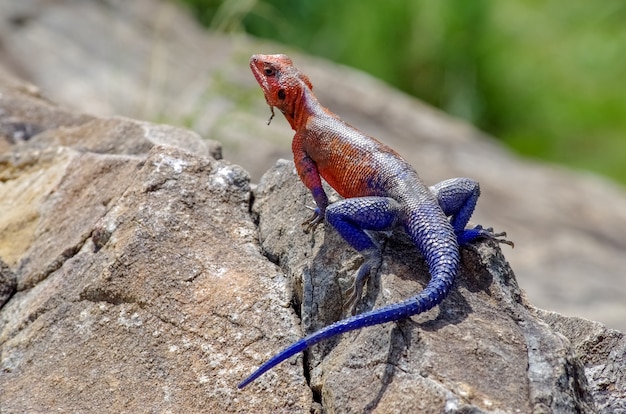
{"x":269,"y":71}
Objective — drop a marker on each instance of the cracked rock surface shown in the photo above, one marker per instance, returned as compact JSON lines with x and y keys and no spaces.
{"x":139,"y":272}
{"x":140,"y":283}
{"x":484,"y":349}
{"x":149,"y":59}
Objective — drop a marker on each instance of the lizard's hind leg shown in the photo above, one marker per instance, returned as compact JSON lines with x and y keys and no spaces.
{"x":457,"y":198}
{"x":353,"y":218}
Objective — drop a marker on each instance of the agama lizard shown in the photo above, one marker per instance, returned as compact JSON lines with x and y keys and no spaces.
{"x":380,"y":190}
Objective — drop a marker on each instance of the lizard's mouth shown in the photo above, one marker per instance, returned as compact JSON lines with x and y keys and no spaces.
{"x":262,"y":81}
{"x":258,"y":75}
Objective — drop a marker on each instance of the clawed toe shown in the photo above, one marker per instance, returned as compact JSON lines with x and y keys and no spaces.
{"x":478,"y":232}
{"x":504,"y":241}
{"x":371,"y":265}
{"x":498,"y":237}
{"x":354,"y":292}
{"x":312,"y":222}
{"x":352,"y":300}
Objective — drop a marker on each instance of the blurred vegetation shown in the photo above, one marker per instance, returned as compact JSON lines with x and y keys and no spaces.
{"x":547,"y":77}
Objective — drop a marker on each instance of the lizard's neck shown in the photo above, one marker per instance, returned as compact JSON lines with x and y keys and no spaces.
{"x":303,"y":106}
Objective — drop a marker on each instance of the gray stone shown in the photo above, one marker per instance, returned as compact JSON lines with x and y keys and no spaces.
{"x":602,"y":352}
{"x":142,"y":274}
{"x":149,"y":60}
{"x":139,"y":278}
{"x":8,"y":283}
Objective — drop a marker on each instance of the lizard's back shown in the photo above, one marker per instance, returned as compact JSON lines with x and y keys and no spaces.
{"x":354,"y":164}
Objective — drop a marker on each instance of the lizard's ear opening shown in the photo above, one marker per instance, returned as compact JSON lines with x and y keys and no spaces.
{"x":281,"y":94}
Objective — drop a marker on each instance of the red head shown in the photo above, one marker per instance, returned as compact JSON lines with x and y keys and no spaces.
{"x":282,"y":83}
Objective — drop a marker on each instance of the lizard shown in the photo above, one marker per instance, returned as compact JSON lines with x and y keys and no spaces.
{"x":380,"y":190}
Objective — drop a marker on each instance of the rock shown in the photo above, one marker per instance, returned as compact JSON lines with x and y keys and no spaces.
{"x":155,"y":63}
{"x":139,"y":275}
{"x":8,"y":283}
{"x":602,"y":352}
{"x":483,"y":350}
{"x":144,"y":275}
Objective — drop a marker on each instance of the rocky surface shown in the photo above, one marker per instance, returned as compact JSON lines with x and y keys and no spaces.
{"x":483,"y":350}
{"x":146,"y":59}
{"x":8,"y":283}
{"x":146,"y":275}
{"x":139,"y":276}
{"x":603,"y":353}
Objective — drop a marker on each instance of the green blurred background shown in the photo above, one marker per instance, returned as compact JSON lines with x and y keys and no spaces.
{"x":546,"y":77}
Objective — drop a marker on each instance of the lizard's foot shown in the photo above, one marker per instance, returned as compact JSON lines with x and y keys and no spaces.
{"x":478,"y":232}
{"x":373,"y":260}
{"x":312,"y":222}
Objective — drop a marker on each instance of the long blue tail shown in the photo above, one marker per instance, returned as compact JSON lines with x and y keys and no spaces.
{"x":433,"y":294}
{"x":430,"y":230}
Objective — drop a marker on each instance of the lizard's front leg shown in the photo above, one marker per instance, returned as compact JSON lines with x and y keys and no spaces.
{"x":352,"y":218}
{"x":310,"y":176}
{"x":318,"y":212}
{"x":457,"y":198}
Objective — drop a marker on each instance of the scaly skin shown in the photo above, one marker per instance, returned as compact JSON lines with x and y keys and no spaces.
{"x":380,"y":190}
